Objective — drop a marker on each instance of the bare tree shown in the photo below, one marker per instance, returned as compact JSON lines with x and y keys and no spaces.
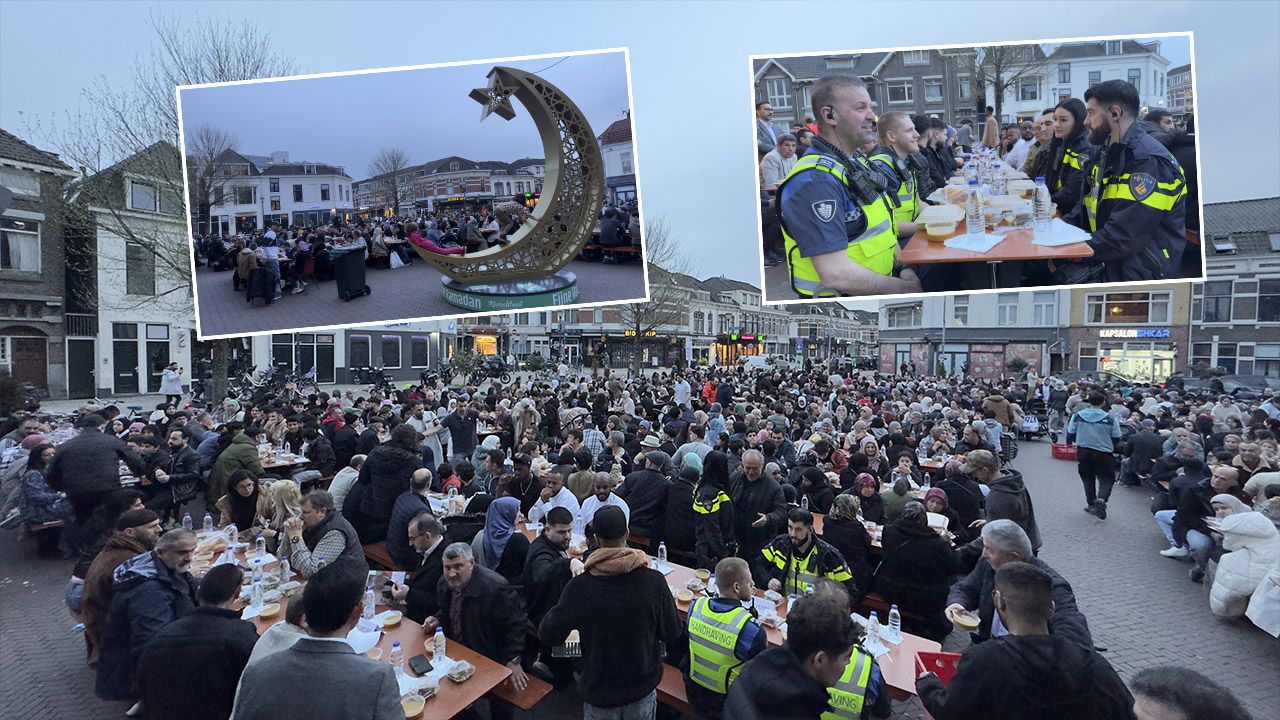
{"x":386,"y":166}
{"x":205,"y":145}
{"x":134,"y":130}
{"x":1004,"y":67}
{"x":670,"y":291}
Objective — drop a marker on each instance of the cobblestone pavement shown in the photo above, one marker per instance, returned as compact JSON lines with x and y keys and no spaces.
{"x":409,"y":292}
{"x":1141,"y":608}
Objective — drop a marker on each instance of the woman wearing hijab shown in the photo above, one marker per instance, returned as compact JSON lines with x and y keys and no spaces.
{"x":877,"y":464}
{"x":1070,"y":149}
{"x":815,"y":486}
{"x":846,"y":533}
{"x":917,"y":571}
{"x":937,"y":502}
{"x":866,"y":488}
{"x":502,"y":547}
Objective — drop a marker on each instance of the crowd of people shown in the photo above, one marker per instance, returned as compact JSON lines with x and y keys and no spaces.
{"x":728,"y":469}
{"x":284,"y":252}
{"x":878,"y":173}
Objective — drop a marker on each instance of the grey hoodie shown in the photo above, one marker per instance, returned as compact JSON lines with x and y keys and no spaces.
{"x":1094,"y":428}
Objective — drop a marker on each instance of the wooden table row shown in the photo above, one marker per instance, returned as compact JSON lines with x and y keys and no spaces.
{"x":452,"y":697}
{"x":898,"y":665}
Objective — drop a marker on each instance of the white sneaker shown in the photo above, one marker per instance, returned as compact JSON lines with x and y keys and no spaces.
{"x":1175,"y":552}
{"x":297,"y":290}
{"x":134,"y":711}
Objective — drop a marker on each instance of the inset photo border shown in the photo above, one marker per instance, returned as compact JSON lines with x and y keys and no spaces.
{"x":413,"y":193}
{"x":912,"y":125}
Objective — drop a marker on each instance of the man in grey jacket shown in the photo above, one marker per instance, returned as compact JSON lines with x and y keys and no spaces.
{"x":338,"y":683}
{"x":86,"y":468}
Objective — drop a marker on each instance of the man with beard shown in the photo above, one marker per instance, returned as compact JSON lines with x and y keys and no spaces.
{"x":799,"y":557}
{"x":838,"y":226}
{"x":136,"y":532}
{"x":1134,"y":198}
{"x":151,"y":590}
{"x":760,"y":512}
{"x":547,"y":569}
{"x":178,"y":474}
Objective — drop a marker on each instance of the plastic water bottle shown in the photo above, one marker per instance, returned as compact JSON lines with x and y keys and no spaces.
{"x":973,"y":209}
{"x":187,"y":524}
{"x":999,"y":184}
{"x":662,"y":554}
{"x":208,"y":523}
{"x":255,"y":591}
{"x":284,"y":570}
{"x":804,"y":502}
{"x":895,"y":622}
{"x":233,"y":534}
{"x":791,"y":601}
{"x":260,"y":546}
{"x":579,"y":527}
{"x":257,"y":570}
{"x":439,"y":644}
{"x":369,"y":602}
{"x":873,"y":631}
{"x":971,"y":169}
{"x":1041,"y":209}
{"x":397,"y":657}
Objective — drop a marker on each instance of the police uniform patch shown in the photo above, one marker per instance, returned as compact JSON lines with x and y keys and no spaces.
{"x":825,"y":210}
{"x":1141,"y":185}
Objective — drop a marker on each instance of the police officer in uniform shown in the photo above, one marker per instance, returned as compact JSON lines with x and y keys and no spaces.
{"x":723,"y":636}
{"x":1134,"y":203}
{"x":839,"y":232}
{"x":898,"y":160}
{"x":798,"y":559}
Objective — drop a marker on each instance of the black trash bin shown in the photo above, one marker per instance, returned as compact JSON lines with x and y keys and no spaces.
{"x":348,"y":271}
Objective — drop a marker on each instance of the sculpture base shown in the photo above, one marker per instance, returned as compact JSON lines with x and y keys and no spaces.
{"x":545,"y":291}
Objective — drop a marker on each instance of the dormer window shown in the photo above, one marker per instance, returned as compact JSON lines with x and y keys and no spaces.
{"x":454,"y":166}
{"x":1115,"y":47}
{"x":309,"y":169}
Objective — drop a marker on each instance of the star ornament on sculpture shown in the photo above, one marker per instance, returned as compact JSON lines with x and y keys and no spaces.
{"x":495,"y":98}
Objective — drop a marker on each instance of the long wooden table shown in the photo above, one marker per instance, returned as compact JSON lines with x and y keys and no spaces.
{"x":898,"y":665}
{"x":1017,"y":245}
{"x":452,"y":698}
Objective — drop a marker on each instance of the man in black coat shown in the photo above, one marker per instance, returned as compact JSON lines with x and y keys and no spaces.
{"x":1140,"y":453}
{"x":1036,"y":674}
{"x":371,"y":437}
{"x":345,"y":441}
{"x":547,"y":569}
{"x":759,"y":511}
{"x":1003,"y":541}
{"x":421,"y":596}
{"x":179,"y":476}
{"x":478,"y":608}
{"x":151,"y":590}
{"x":646,"y":494}
{"x":191,"y":668}
{"x":86,"y":467}
{"x":621,"y":660}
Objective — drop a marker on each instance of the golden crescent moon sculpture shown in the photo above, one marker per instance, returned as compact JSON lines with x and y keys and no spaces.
{"x":572,"y":192}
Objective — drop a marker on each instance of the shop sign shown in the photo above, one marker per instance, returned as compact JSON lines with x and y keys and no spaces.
{"x":632,"y":333}
{"x":1134,"y":333}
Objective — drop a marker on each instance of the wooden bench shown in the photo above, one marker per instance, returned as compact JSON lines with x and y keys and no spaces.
{"x":525,"y":700}
{"x":378,"y":557}
{"x":592,"y":252}
{"x":671,"y":690}
{"x":46,"y":541}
